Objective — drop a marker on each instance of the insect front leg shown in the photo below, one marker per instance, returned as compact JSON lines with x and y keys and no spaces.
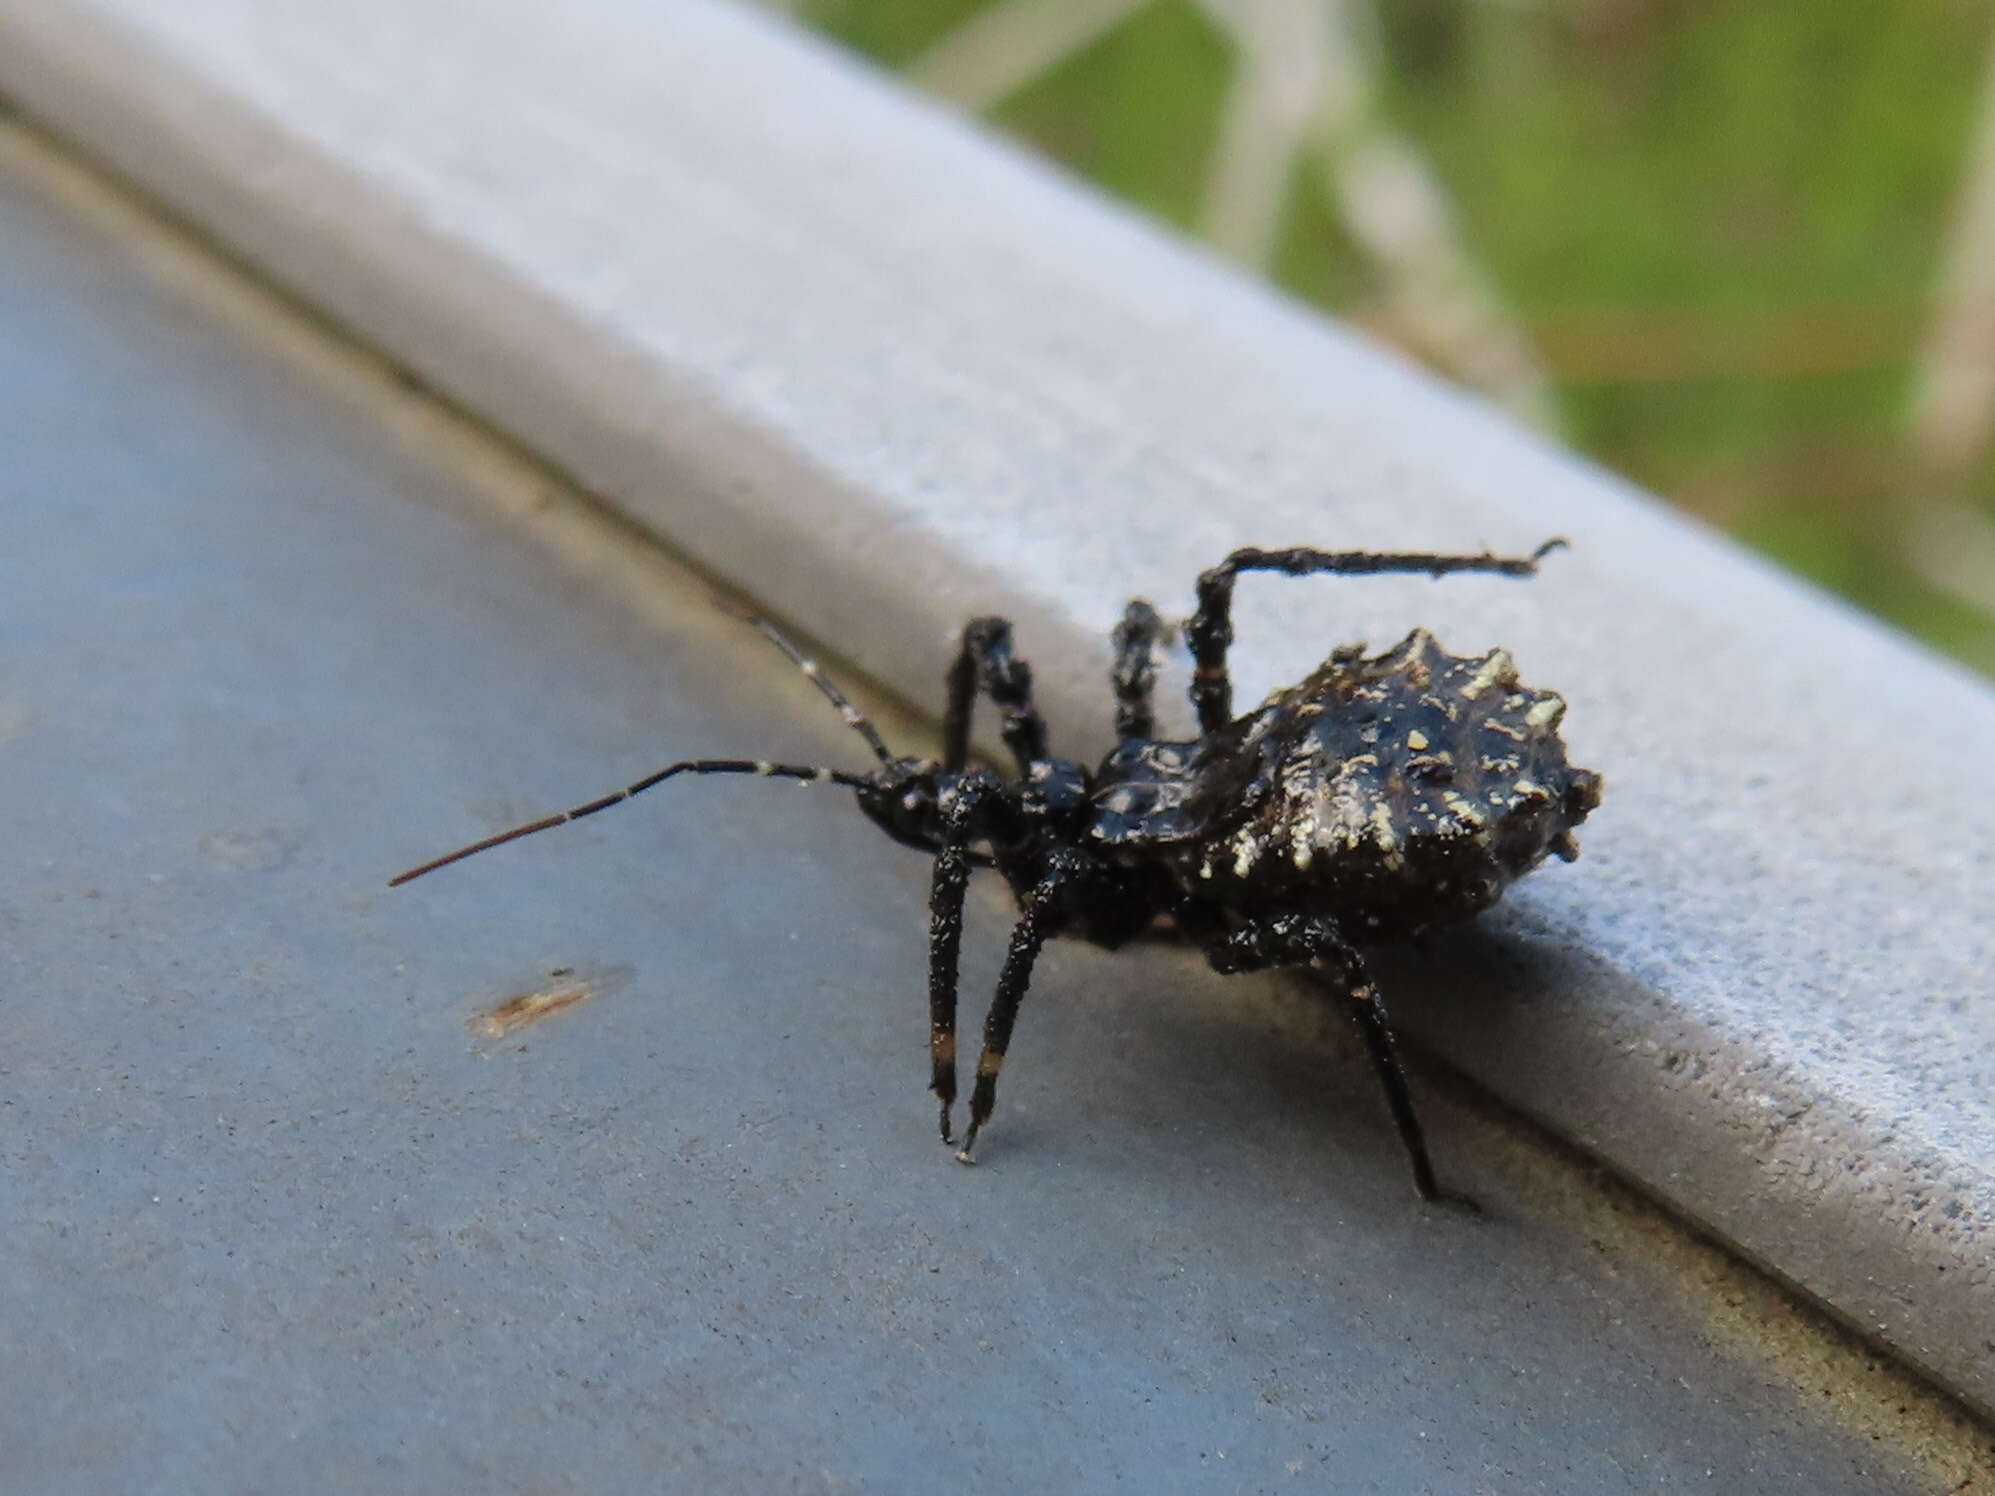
{"x":1037,"y":916}
{"x":986,"y":661}
{"x":963,"y":807}
{"x":1313,"y":939}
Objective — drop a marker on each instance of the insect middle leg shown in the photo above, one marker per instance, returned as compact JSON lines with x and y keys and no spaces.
{"x":1303,"y":939}
{"x":1135,"y":674}
{"x":986,"y":661}
{"x":1211,"y":628}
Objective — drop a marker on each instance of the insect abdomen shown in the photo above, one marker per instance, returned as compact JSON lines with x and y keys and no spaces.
{"x":1403,"y":790}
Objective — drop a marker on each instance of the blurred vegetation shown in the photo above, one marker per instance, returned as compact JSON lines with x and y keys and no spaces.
{"x":1720,"y":223}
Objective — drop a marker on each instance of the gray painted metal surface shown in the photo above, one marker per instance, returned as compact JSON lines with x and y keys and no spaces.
{"x":283,"y":1208}
{"x":880,"y":371}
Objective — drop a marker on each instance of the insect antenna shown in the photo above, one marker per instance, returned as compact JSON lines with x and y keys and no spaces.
{"x":763,"y":767}
{"x":854,"y":718}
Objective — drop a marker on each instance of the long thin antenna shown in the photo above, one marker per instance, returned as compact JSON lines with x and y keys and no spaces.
{"x":763,"y":767}
{"x":854,"y":718}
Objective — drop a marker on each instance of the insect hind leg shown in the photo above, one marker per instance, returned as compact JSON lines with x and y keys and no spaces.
{"x":1301,"y":939}
{"x":1210,"y":630}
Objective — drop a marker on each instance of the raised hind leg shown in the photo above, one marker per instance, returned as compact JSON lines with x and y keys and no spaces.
{"x":1211,"y":628}
{"x":985,"y":661}
{"x":1311,"y":939}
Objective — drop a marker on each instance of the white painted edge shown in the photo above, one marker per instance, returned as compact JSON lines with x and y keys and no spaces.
{"x":907,"y":375}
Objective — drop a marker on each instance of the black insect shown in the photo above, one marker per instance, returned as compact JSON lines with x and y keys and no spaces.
{"x":1382,"y":795}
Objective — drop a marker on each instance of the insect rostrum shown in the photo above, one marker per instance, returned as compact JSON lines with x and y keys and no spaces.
{"x":1381,"y":795}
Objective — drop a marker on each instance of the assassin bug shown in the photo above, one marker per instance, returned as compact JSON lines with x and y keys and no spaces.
{"x":1382,"y":795}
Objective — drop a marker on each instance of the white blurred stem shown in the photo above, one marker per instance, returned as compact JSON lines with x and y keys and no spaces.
{"x":1000,"y":50}
{"x":1307,"y":78}
{"x":1953,"y":548}
{"x":1303,"y":80}
{"x":1290,"y":61}
{"x":1953,"y":403}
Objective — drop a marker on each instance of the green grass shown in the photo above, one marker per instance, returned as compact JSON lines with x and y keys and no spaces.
{"x":1720,"y":220}
{"x":1136,"y":112}
{"x":893,"y":32}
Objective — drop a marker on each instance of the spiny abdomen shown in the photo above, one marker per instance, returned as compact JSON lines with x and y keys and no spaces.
{"x":1410,"y":786}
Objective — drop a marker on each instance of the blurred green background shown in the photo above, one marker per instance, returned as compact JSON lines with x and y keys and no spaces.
{"x":1730,"y":248}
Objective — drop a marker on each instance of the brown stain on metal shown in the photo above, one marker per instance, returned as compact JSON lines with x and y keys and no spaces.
{"x":565,"y":988}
